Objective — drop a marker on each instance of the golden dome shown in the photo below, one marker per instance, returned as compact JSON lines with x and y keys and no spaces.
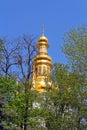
{"x":43,"y":38}
{"x":42,"y":64}
{"x":42,"y":41}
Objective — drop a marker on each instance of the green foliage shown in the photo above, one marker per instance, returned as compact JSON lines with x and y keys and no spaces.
{"x":7,"y":88}
{"x":65,"y":100}
{"x":24,"y":106}
{"x":75,"y":48}
{"x":61,"y":107}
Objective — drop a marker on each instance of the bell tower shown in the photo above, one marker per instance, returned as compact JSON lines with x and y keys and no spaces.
{"x":42,"y":64}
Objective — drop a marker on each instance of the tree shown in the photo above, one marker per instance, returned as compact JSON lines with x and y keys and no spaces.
{"x":8,"y":53}
{"x":24,"y":60}
{"x":25,"y":55}
{"x":19,"y":57}
{"x":64,"y":100}
{"x":24,"y":105}
{"x":75,"y":49}
{"x":17,"y":105}
{"x":7,"y":89}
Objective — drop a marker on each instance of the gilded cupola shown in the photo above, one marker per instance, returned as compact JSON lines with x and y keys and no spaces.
{"x":42,"y":64}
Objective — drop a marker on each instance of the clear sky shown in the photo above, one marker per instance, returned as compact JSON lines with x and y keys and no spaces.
{"x":18,"y":17}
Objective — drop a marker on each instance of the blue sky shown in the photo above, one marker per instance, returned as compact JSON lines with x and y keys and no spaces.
{"x":18,"y":17}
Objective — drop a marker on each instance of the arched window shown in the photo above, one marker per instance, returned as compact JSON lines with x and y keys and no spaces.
{"x":48,"y":70}
{"x":36,"y":71}
{"x":39,"y":70}
{"x":44,"y":69}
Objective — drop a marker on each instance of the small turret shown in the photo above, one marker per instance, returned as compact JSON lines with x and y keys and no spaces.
{"x":42,"y":64}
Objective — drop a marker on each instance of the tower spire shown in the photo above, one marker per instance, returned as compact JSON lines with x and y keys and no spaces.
{"x":42,"y":65}
{"x":43,"y":30}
